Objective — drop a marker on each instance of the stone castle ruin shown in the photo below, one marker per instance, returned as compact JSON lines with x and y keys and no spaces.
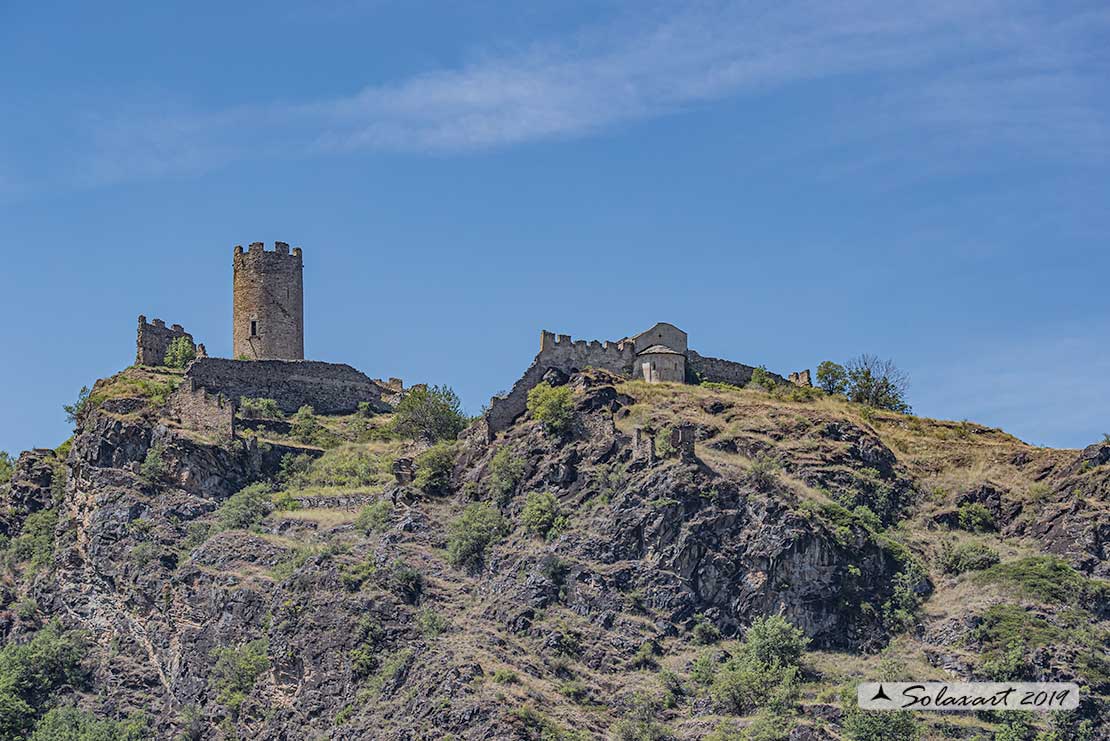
{"x":155,"y":338}
{"x":268,"y":343}
{"x":658,"y":355}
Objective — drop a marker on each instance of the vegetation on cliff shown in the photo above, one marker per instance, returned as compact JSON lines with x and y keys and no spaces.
{"x":383,"y":576}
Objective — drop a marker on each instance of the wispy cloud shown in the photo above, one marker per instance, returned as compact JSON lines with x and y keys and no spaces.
{"x":964,"y":78}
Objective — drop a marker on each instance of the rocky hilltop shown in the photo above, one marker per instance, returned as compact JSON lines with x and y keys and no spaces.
{"x":643,"y":562}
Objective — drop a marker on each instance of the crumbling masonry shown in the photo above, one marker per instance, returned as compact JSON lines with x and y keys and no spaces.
{"x":657,"y":355}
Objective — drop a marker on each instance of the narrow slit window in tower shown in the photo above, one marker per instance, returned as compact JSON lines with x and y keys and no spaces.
{"x":254,"y":328}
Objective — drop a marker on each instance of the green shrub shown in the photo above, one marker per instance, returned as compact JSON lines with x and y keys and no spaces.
{"x":900,"y":610}
{"x":180,"y":353}
{"x":71,"y":724}
{"x":294,"y":469}
{"x":429,"y":413}
{"x":505,"y":473}
{"x":143,"y":553}
{"x":640,"y":724}
{"x":975,"y":518}
{"x":743,"y":683}
{"x":832,"y":378}
{"x":705,"y":632}
{"x":552,"y":406}
{"x":153,"y":469}
{"x":764,"y":472}
{"x":345,"y":465}
{"x":31,"y":673}
{"x":253,"y":408}
{"x":236,"y":670}
{"x":671,"y":686}
{"x":7,"y":466}
{"x":876,"y":725}
{"x":505,"y":676}
{"x":957,"y":559}
{"x":644,"y":658}
{"x":1048,"y":578}
{"x":76,"y":410}
{"x":541,"y":515}
{"x":246,"y":508}
{"x":469,"y":536}
{"x":284,"y":501}
{"x":761,"y":378}
{"x":406,"y":582}
{"x":26,"y":609}
{"x":663,"y":446}
{"x":35,"y":542}
{"x":374,"y":517}
{"x":574,"y":690}
{"x":764,"y":671}
{"x":431,"y":622}
{"x":704,"y":668}
{"x":353,"y":576}
{"x":434,"y":467}
{"x":305,"y":428}
{"x":364,"y":656}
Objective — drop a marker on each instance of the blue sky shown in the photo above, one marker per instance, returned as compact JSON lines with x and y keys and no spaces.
{"x":788,"y":182}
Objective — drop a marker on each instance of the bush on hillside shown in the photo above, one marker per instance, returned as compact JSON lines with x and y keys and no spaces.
{"x":72,"y":724}
{"x":35,"y":542}
{"x":479,"y":525}
{"x":254,"y":408}
{"x":429,"y":413}
{"x":958,"y":559}
{"x":761,"y":378}
{"x":975,"y":518}
{"x":236,"y":670}
{"x":180,"y":353}
{"x":552,"y":406}
{"x":76,"y":410}
{"x":7,"y":467}
{"x":876,"y":725}
{"x":774,"y":639}
{"x":434,"y":467}
{"x":153,"y":469}
{"x":541,"y":515}
{"x":504,"y":474}
{"x":246,"y":508}
{"x":306,"y":428}
{"x":374,"y":517}
{"x":31,"y":673}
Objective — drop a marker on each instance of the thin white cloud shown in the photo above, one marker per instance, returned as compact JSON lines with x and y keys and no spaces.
{"x":963,"y":78}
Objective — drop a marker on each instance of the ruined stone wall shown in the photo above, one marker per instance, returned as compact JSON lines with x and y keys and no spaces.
{"x":154,"y":339}
{"x":716,"y":370}
{"x":329,"y":388}
{"x":566,"y":354}
{"x":268,"y":318}
{"x":198,"y":409}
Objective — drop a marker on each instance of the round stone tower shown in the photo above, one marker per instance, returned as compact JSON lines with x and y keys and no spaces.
{"x":269,"y":303}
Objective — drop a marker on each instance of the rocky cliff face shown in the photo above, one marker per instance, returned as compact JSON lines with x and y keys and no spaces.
{"x":612,"y":591}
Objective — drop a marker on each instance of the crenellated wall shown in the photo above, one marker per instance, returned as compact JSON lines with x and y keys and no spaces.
{"x":566,"y":354}
{"x":329,"y":388}
{"x":154,"y":339}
